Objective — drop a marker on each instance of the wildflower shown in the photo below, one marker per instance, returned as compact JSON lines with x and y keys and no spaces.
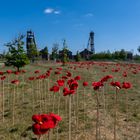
{"x":44,"y":122}
{"x":55,"y":88}
{"x":36,"y":71}
{"x":60,"y":82}
{"x":1,"y":73}
{"x":68,"y":74}
{"x":16,"y":72}
{"x":104,"y":79}
{"x":97,"y":85}
{"x":9,"y":71}
{"x":57,"y":72}
{"x":124,"y":74}
{"x":73,"y":85}
{"x":116,"y":84}
{"x":77,"y":78}
{"x":66,"y":91}
{"x":85,"y":84}
{"x":15,"y":82}
{"x":31,"y":78}
{"x":126,"y":85}
{"x":3,"y":78}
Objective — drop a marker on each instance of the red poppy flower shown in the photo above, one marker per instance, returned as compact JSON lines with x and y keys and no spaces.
{"x":43,"y":76}
{"x":134,"y":71}
{"x":16,"y":72}
{"x":85,"y":84}
{"x":37,"y":129}
{"x":3,"y":78}
{"x":64,"y":77}
{"x":48,"y":73}
{"x":36,"y":71}
{"x":66,"y":91}
{"x":73,"y":85}
{"x":37,"y":118}
{"x":124,"y":74}
{"x":104,"y":79}
{"x":97,"y":85}
{"x":1,"y":73}
{"x":59,"y":68}
{"x":68,"y":74}
{"x":31,"y":78}
{"x":15,"y":82}
{"x":9,"y":71}
{"x":57,"y":72}
{"x":70,"y":81}
{"x":126,"y":85}
{"x":55,"y":118}
{"x":60,"y":82}
{"x":23,"y":71}
{"x":116,"y":84}
{"x":44,"y":122}
{"x":55,"y":88}
{"x":77,"y":78}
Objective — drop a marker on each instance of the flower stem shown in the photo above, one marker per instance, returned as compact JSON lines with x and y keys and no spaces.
{"x":97,"y":117}
{"x":69,"y":117}
{"x":115,"y":113}
{"x":3,"y":101}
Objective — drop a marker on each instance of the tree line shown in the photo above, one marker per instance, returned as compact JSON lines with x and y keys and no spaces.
{"x":18,"y":57}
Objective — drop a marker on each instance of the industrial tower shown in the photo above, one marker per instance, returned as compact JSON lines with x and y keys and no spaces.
{"x":90,"y":45}
{"x":31,"y":44}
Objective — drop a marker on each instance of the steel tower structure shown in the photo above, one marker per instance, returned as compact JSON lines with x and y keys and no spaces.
{"x":90,"y":45}
{"x":30,"y":43}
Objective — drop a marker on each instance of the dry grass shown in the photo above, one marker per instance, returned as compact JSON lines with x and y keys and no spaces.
{"x":43,"y":99}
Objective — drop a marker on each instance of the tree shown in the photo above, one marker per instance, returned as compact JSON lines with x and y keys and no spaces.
{"x":44,"y":53}
{"x":65,"y":50}
{"x":32,"y":52}
{"x":115,"y":55}
{"x":78,"y":57}
{"x":138,"y":49}
{"x":122,"y":54}
{"x":16,"y":55}
{"x":54,"y":55}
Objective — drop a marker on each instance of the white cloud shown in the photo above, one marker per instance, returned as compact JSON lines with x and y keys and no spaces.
{"x":49,"y":10}
{"x":57,"y":12}
{"x":89,"y":15}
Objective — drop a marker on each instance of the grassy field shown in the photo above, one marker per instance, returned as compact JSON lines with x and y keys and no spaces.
{"x":95,"y":114}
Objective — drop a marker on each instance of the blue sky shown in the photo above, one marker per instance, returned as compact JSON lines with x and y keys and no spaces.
{"x":116,"y":23}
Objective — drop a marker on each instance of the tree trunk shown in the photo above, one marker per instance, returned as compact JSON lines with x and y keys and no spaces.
{"x":18,"y":69}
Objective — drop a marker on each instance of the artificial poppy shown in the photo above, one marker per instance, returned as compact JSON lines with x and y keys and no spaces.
{"x":3,"y":78}
{"x":15,"y":82}
{"x":60,"y":82}
{"x":77,"y":78}
{"x":126,"y":85}
{"x":9,"y":71}
{"x":66,"y":91}
{"x":85,"y":84}
{"x":55,"y":88}
{"x":44,"y":122}
{"x":116,"y":84}
{"x":97,"y":85}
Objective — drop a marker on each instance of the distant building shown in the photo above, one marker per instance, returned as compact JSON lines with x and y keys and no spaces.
{"x":90,"y":50}
{"x":86,"y":54}
{"x":129,"y":55}
{"x":69,"y":54}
